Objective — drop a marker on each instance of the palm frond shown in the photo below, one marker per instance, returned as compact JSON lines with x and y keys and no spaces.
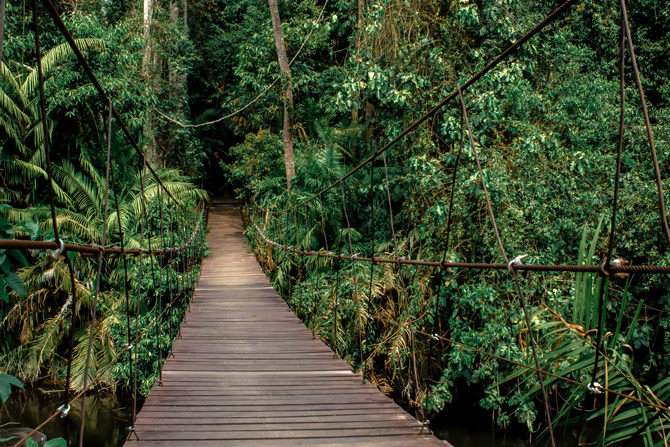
{"x":56,"y":56}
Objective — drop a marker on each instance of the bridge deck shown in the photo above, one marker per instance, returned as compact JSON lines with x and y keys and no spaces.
{"x":247,"y":371}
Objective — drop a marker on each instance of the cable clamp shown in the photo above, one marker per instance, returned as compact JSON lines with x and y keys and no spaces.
{"x":594,"y":387}
{"x":435,"y":337}
{"x":99,"y":247}
{"x":64,"y":410}
{"x":128,"y":346}
{"x":516,"y":261}
{"x":55,"y":254}
{"x":619,"y":262}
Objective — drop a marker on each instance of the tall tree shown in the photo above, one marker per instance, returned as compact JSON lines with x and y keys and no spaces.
{"x":359,"y":33}
{"x":287,"y":91}
{"x":147,"y":64}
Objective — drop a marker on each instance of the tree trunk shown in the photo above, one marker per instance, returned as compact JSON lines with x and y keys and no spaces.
{"x":185,"y":15}
{"x":2,"y":26}
{"x":287,"y":91}
{"x":359,"y":32}
{"x":147,"y":59}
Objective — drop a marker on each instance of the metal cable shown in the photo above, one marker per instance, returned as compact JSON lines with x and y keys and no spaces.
{"x":2,"y":27}
{"x":52,"y":201}
{"x":126,"y":283}
{"x":501,"y":57}
{"x":510,"y":267}
{"x":58,"y":21}
{"x":612,"y":235}
{"x":405,"y":297}
{"x":260,"y":95}
{"x":601,"y":388}
{"x":564,"y":268}
{"x":358,"y":321}
{"x":98,"y":277}
{"x":647,"y":122}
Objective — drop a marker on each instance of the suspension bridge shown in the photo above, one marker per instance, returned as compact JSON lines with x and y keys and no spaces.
{"x":245,"y":370}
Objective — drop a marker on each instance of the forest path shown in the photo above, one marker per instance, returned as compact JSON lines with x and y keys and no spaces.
{"x":247,"y":372}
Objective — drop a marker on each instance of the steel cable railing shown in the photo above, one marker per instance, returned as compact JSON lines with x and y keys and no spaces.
{"x":267,"y":218}
{"x":195,"y":216}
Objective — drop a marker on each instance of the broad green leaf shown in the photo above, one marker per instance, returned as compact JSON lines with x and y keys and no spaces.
{"x":13,"y":281}
{"x":6,"y":383}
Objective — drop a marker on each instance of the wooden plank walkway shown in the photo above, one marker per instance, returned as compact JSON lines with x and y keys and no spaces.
{"x":247,"y":372}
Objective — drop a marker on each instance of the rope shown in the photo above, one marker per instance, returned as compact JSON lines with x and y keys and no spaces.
{"x":323,"y":224}
{"x":58,"y":21}
{"x":372,"y":252}
{"x":169,"y":281}
{"x":114,"y":360}
{"x":160,"y":298}
{"x":336,"y":300}
{"x":501,"y":57}
{"x":513,"y":266}
{"x":86,"y":249}
{"x":259,"y":96}
{"x":449,"y":219}
{"x":612,"y":235}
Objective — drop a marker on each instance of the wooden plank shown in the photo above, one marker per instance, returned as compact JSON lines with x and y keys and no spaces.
{"x":236,"y":419}
{"x":370,"y":441}
{"x":275,"y":434}
{"x":294,"y":430}
{"x":247,"y":372}
{"x":163,"y":412}
{"x":277,"y":408}
{"x":249,"y":392}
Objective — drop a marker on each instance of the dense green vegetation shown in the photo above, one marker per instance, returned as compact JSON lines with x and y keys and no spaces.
{"x":36,"y":318}
{"x":545,"y":123}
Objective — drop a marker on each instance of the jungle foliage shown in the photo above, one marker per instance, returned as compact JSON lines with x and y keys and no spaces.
{"x":37,"y":306}
{"x":545,"y":124}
